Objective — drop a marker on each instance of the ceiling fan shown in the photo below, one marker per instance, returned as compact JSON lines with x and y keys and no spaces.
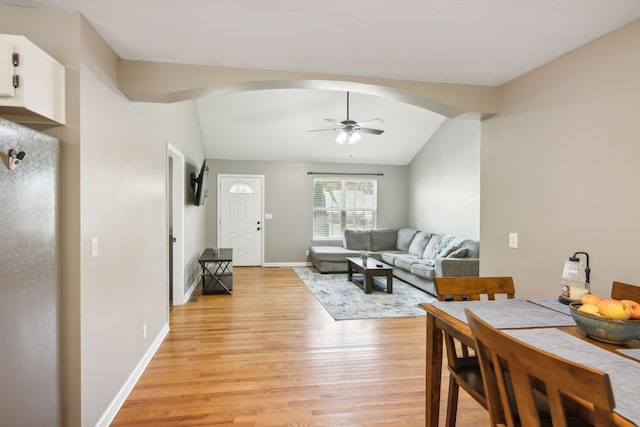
{"x":350,"y":130}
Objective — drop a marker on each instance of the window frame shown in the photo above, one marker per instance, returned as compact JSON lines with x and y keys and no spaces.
{"x":349,"y":209}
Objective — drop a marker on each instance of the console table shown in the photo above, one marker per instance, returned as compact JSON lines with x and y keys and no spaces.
{"x":217,"y":270}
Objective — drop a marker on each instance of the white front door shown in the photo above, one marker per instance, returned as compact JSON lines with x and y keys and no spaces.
{"x":240,"y":217}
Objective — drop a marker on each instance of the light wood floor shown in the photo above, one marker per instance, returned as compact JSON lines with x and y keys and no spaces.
{"x":270,"y":355}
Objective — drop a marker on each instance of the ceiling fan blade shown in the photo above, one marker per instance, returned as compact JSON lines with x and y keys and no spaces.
{"x":371,"y":120}
{"x":335,"y":122}
{"x":369,"y":130}
{"x":322,"y":130}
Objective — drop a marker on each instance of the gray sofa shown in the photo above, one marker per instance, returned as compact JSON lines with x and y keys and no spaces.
{"x":417,"y":257}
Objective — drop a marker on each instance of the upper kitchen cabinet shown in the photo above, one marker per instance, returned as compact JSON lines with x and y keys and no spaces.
{"x":32,"y":83}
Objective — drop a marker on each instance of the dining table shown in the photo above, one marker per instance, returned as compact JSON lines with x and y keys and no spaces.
{"x":545,"y":323}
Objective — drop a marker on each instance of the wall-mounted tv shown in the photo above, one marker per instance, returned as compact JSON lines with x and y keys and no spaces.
{"x":199,"y":184}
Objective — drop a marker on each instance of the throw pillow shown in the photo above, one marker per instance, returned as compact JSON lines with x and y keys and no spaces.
{"x":442,"y":248}
{"x":458,"y":253}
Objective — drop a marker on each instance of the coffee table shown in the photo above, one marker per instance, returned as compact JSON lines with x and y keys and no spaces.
{"x":372,"y":268}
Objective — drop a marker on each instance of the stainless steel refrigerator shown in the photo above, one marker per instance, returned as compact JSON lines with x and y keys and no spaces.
{"x":29,"y":278}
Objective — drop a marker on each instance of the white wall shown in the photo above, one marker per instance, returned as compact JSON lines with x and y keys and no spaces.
{"x":560,"y":167}
{"x":445,"y":181}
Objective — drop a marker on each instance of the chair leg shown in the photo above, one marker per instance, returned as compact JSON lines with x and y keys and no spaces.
{"x":452,"y":403}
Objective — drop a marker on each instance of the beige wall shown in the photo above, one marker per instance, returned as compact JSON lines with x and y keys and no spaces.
{"x":113,"y":166}
{"x":560,"y":167}
{"x":288,"y":197}
{"x":178,"y":125}
{"x":444,"y":181}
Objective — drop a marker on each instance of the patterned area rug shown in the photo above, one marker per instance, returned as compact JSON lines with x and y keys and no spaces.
{"x":346,"y":300}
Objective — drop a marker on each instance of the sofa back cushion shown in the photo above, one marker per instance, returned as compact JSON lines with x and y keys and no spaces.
{"x":419,"y":242}
{"x":430,"y":249}
{"x":383,"y":239}
{"x":404,"y":239}
{"x":357,"y":239}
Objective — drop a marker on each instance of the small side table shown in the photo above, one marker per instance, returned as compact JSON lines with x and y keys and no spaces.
{"x":217,"y":270}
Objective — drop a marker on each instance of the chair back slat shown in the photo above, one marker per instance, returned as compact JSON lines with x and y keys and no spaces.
{"x":621,"y":290}
{"x":565,"y":383}
{"x":462,"y":361}
{"x":472,"y":288}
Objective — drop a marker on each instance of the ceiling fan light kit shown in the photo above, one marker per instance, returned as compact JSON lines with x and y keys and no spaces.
{"x":350,"y":131}
{"x":348,"y":137}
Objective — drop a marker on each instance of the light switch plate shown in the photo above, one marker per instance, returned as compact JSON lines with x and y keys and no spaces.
{"x":94,"y":247}
{"x":513,"y":240}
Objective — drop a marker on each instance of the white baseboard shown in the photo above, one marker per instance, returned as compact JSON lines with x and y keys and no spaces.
{"x":191,"y":289}
{"x":286,"y":264}
{"x":117,"y":402}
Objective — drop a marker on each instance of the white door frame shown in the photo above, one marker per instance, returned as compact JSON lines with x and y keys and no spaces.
{"x":178,"y":201}
{"x":219,"y":197}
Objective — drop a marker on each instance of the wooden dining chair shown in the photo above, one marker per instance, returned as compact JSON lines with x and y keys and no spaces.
{"x":514,"y":370}
{"x":462,"y":363}
{"x":621,"y":290}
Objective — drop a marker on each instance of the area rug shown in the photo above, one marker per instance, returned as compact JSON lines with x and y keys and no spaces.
{"x":346,"y":300}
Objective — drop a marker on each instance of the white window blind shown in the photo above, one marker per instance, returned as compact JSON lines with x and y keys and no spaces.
{"x":340,"y":203}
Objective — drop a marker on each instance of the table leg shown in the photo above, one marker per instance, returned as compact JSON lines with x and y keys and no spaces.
{"x":368,"y":283}
{"x":434,"y":372}
{"x":349,"y":271}
{"x":389,"y":282}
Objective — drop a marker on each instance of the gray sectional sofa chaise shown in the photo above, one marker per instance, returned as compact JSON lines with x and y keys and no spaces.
{"x":417,"y":257}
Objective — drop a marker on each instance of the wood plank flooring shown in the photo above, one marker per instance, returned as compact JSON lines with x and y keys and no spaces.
{"x":270,"y":355}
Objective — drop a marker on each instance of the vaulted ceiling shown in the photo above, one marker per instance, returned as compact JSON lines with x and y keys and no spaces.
{"x":486,"y":42}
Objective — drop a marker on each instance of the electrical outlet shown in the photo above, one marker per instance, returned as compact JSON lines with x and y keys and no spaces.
{"x":513,"y":240}
{"x":307,"y":253}
{"x":144,"y":331}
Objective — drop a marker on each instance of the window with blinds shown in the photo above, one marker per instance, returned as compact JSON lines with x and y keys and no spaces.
{"x":340,"y":203}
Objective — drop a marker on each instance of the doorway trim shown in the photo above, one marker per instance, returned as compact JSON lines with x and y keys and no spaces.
{"x":262,"y":207}
{"x":175,"y":190}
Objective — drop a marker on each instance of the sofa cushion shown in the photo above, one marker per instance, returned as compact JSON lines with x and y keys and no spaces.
{"x":390,"y":257}
{"x":383,"y":239}
{"x":423,"y":270}
{"x":430,"y":249}
{"x":332,"y":253}
{"x":418,"y":243}
{"x":404,"y":262}
{"x":404,"y":239}
{"x":357,"y":239}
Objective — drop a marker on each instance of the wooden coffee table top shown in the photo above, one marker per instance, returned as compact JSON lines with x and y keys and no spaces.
{"x":372,"y":264}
